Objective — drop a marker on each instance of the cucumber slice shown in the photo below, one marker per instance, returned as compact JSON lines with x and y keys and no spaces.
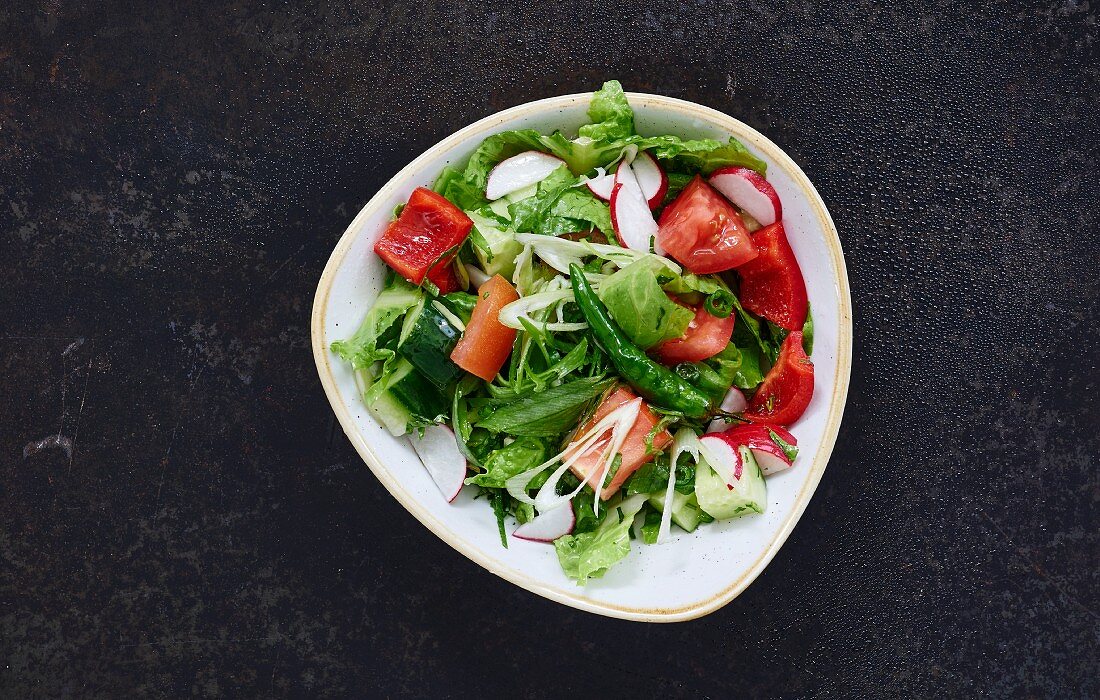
{"x":749,"y":495}
{"x":405,"y":399}
{"x":427,"y":339}
{"x":685,"y":509}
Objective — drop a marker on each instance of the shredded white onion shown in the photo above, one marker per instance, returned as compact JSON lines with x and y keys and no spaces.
{"x":446,"y":313}
{"x":523,"y":307}
{"x":477,"y":276}
{"x":517,"y":485}
{"x":685,"y":441}
{"x":558,"y":253}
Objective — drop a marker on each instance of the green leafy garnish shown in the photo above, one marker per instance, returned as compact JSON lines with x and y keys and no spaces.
{"x":611,"y":115}
{"x":590,"y":554}
{"x":510,"y":460}
{"x":559,"y":205}
{"x":635,"y":300}
{"x":547,"y":413}
{"x":808,"y":331}
{"x":364,"y":347}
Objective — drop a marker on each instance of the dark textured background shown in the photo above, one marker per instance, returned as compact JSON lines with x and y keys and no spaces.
{"x":173,"y":177}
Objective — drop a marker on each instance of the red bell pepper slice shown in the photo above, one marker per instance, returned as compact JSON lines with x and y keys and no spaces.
{"x":771,"y":283}
{"x":416,"y":243}
{"x":786,"y":392}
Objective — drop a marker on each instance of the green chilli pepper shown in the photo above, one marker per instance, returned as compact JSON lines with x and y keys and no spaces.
{"x":653,"y":381}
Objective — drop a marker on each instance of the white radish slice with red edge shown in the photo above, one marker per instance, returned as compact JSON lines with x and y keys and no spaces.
{"x":438,"y":450}
{"x":651,"y":178}
{"x":519,"y":171}
{"x":548,"y":525}
{"x":735,"y":402}
{"x":630,"y":213}
{"x":769,"y":454}
{"x":749,"y":190}
{"x":723,"y":457}
{"x":770,"y":457}
{"x":601,"y":186}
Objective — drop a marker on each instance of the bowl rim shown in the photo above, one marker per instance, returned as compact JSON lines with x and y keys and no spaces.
{"x":485,"y":127}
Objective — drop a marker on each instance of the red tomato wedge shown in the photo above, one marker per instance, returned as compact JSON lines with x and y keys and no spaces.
{"x":634,"y":452}
{"x":706,"y":336}
{"x":415,"y":242}
{"x":772,"y":284}
{"x":486,"y":343}
{"x":703,"y":231}
{"x":788,"y":388}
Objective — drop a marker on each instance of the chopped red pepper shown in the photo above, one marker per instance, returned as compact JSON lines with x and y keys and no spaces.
{"x":417,"y":242}
{"x":771,"y":283}
{"x":788,"y":388}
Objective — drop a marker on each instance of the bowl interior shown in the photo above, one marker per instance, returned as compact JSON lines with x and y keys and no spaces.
{"x":695,"y":573}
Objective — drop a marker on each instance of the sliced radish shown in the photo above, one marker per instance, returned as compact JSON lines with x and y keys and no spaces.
{"x":769,"y":454}
{"x":723,"y":457}
{"x":770,"y":457}
{"x":735,"y":402}
{"x":651,"y":178}
{"x":630,"y":214}
{"x":439,"y":452}
{"x":602,"y":185}
{"x":747,"y":189}
{"x":548,"y":525}
{"x":519,"y":171}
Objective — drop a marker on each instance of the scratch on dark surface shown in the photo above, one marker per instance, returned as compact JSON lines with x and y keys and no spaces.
{"x":284,"y":263}
{"x":80,"y":411}
{"x":75,"y":345}
{"x":1020,"y":552}
{"x":50,"y":442}
{"x":171,"y":441}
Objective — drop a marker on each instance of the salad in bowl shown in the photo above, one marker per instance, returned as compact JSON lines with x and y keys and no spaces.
{"x":606,"y":338}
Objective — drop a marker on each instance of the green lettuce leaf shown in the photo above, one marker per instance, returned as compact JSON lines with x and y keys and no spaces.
{"x":452,"y":184}
{"x":364,"y":347}
{"x":611,"y":115}
{"x":700,"y":155}
{"x":634,"y":297}
{"x":717,"y":297}
{"x":590,"y":554}
{"x":755,"y":344}
{"x":495,"y":246}
{"x":560,"y":206}
{"x":508,"y":461}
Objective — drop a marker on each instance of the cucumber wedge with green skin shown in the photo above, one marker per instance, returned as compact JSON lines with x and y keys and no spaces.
{"x":404,"y":399}
{"x":748,"y":494}
{"x":685,"y":509}
{"x":427,"y":339}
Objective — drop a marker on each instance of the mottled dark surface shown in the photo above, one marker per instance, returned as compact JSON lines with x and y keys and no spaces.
{"x":179,"y":513}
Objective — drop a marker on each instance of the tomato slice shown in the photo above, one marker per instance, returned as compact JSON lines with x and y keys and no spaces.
{"x":706,"y":336}
{"x":788,"y":388}
{"x":486,"y":343}
{"x":634,"y":453}
{"x":703,"y":231}
{"x":415,"y":242}
{"x":772,"y":284}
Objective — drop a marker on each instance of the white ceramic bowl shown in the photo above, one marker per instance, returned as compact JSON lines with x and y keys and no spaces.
{"x":695,"y":573}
